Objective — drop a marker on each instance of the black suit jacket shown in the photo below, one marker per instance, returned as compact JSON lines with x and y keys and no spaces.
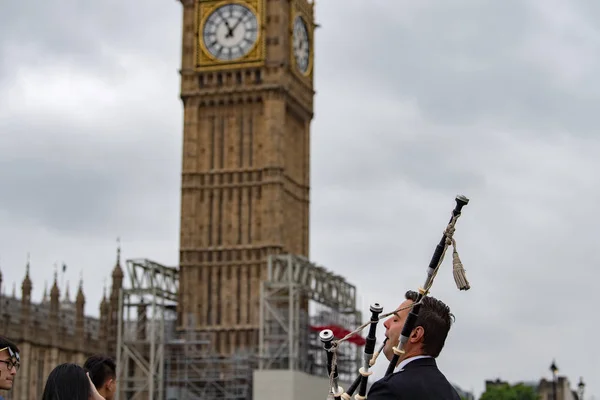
{"x":418,"y":380}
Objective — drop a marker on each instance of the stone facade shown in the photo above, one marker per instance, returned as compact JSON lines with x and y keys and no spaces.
{"x":544,"y":388}
{"x":563,"y":389}
{"x":245,"y":176}
{"x":55,"y":331}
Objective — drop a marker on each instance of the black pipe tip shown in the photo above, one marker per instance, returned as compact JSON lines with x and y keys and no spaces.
{"x":462,"y":199}
{"x":326,"y":335}
{"x":376,"y":308}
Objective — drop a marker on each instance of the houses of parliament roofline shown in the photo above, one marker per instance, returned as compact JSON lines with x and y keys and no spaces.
{"x":60,"y":324}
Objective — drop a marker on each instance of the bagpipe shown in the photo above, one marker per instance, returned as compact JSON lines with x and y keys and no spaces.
{"x":370,"y":356}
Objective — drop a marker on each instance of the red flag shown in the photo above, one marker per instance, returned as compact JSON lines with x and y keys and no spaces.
{"x":340,"y":332}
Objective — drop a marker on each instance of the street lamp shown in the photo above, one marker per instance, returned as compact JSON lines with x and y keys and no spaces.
{"x":554,"y":370}
{"x":581,"y":386}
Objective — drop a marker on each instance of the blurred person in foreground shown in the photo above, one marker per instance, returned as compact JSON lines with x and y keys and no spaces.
{"x":69,"y":381}
{"x":417,"y":376}
{"x":103,"y":373}
{"x":10,"y":362}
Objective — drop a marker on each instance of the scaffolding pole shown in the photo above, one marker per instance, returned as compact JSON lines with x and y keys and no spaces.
{"x":286,"y":340}
{"x":141,"y":337}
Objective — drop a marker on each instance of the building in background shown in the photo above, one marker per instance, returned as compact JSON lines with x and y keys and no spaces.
{"x":544,"y":388}
{"x":55,"y":329}
{"x":247,"y":299}
{"x":247,"y":99}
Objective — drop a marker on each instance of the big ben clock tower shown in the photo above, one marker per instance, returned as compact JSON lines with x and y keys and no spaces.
{"x":247,"y":92}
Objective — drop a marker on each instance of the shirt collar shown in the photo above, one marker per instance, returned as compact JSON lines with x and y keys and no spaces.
{"x":406,"y":361}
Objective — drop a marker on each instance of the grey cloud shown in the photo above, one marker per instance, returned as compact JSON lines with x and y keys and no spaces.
{"x":84,"y":182}
{"x":88,"y":37}
{"x":463,"y":63}
{"x":56,"y":196}
{"x":70,"y":27}
{"x":391,"y":147}
{"x":426,"y":101}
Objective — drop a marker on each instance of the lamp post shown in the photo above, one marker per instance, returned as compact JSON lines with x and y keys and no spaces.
{"x":554,"y":370}
{"x":581,"y":387}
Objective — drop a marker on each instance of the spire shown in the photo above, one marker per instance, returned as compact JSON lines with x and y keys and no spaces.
{"x":79,"y":314}
{"x":104,"y":302}
{"x":80,"y":297}
{"x":45,"y":295}
{"x":14,"y":293}
{"x":104,"y":296}
{"x":117,"y":273}
{"x":67,"y":298}
{"x":54,"y":302}
{"x":26,"y":286}
{"x":54,"y":292}
{"x":118,"y":251}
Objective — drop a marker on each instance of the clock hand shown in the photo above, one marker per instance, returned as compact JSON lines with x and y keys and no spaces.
{"x":229,"y":30}
{"x":236,"y":24}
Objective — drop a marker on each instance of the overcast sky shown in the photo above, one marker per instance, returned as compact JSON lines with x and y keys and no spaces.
{"x":497,"y":100}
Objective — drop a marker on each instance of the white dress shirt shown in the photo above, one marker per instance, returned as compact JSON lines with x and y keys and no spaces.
{"x":406,"y":361}
{"x":398,"y":368}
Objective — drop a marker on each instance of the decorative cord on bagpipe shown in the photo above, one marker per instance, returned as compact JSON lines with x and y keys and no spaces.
{"x":369,"y":356}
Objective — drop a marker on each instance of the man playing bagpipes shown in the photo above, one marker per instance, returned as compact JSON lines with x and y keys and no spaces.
{"x":415,"y":335}
{"x":417,"y":376}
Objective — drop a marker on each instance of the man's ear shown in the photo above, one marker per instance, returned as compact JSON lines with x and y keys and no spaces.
{"x":417,"y":335}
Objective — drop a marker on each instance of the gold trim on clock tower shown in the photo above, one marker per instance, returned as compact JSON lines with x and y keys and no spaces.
{"x":303,"y":11}
{"x":206,"y":61}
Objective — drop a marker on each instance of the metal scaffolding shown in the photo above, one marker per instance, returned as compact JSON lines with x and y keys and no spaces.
{"x":297,"y":300}
{"x":147,"y":315}
{"x":194,"y":371}
{"x":156,"y":360}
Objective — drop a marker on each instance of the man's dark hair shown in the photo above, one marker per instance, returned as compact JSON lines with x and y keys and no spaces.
{"x":435,"y":318}
{"x":101,"y":369}
{"x":4,"y":342}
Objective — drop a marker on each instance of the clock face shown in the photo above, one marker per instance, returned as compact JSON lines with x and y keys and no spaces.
{"x":301,"y":45}
{"x":230,"y":32}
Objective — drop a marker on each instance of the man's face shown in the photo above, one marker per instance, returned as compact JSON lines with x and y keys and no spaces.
{"x":7,"y":375}
{"x":393,"y":328}
{"x":110,"y":388}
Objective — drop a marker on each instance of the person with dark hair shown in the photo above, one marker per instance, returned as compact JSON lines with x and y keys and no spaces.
{"x":103,"y":373}
{"x":10,"y":362}
{"x":69,"y":381}
{"x":417,"y":376}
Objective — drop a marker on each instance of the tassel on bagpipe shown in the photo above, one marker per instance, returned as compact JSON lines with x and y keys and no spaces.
{"x":369,"y":358}
{"x":434,"y":264}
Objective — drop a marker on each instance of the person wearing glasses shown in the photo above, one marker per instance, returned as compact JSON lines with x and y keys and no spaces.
{"x":10,"y":362}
